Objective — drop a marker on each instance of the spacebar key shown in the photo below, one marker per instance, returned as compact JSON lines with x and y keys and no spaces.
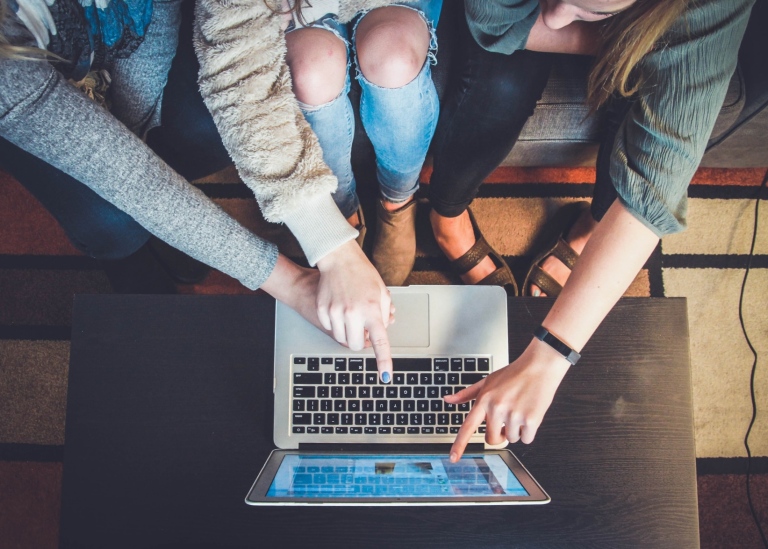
{"x":469,"y":379}
{"x":412,"y":364}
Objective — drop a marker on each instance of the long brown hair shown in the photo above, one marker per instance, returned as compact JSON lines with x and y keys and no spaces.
{"x":627,"y":38}
{"x":276,"y":7}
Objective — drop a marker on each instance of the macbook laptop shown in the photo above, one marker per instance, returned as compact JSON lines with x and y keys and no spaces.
{"x":347,"y":438}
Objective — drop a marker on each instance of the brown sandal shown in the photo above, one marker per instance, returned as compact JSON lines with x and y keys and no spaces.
{"x":502,"y":276}
{"x":557,"y":246}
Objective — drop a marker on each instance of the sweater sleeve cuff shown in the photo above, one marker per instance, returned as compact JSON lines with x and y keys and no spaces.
{"x":319,"y":227}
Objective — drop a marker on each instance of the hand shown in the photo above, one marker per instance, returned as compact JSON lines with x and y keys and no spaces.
{"x":354,"y":304}
{"x":513,"y":400}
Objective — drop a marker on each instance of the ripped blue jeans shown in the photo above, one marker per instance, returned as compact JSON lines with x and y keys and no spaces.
{"x":400,"y":122}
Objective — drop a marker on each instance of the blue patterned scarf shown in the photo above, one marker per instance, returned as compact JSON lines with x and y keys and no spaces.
{"x":88,"y":34}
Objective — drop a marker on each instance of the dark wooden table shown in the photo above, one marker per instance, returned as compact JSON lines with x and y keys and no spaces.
{"x":169,"y":421}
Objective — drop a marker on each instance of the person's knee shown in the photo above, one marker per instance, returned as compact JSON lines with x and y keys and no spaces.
{"x":392,"y":46}
{"x":318,"y":63}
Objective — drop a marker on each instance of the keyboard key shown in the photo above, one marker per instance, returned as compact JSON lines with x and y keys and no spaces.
{"x":337,"y":391}
{"x":422,"y":405}
{"x":430,"y":419}
{"x":304,"y":378}
{"x":298,"y":405}
{"x":346,"y":419}
{"x":398,"y":379}
{"x":322,"y":392}
{"x":441,"y":365}
{"x":441,"y":430}
{"x":436,"y":405}
{"x":412,"y":378}
{"x":353,"y":405}
{"x":381,"y":406}
{"x":484,"y":365}
{"x":370,"y":430}
{"x":402,"y":419}
{"x":433,"y":392}
{"x":405,"y":392}
{"x":333,"y":419}
{"x":358,"y":379}
{"x":449,"y":407}
{"x":326,"y":360}
{"x":374,"y":419}
{"x":299,"y":360}
{"x":398,"y":430}
{"x":343,"y":379}
{"x":385,"y":430}
{"x":367,"y":406}
{"x":313,"y":430}
{"x":391,"y":392}
{"x":302,"y":419}
{"x":440,"y":379}
{"x":304,"y":392}
{"x":388,"y":419}
{"x":395,"y":405}
{"x":412,"y":364}
{"x":378,"y":392}
{"x":454,"y":430}
{"x":445,"y":391}
{"x":457,"y":419}
{"x":443,"y":419}
{"x":415,"y":419}
{"x":470,"y":364}
{"x":370,"y":365}
{"x":365,"y":392}
{"x":318,"y":418}
{"x":481,"y":429}
{"x":356,"y":430}
{"x":427,"y":430}
{"x":313,"y":364}
{"x":453,"y":378}
{"x":413,"y":430}
{"x":340,"y":405}
{"x":326,"y":405}
{"x":355,"y":364}
{"x":425,"y":379}
{"x":350,"y":392}
{"x":371,"y":379}
{"x":329,"y":378}
{"x":361,"y":419}
{"x":419,"y":392}
{"x":464,"y":407}
{"x":313,"y":405}
{"x":340,"y":364}
{"x":326,"y":430}
{"x":456,"y":364}
{"x":341,"y":430}
{"x":409,"y":406}
{"x":469,"y":379}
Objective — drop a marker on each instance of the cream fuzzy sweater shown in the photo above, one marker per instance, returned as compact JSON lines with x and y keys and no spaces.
{"x":246,"y":85}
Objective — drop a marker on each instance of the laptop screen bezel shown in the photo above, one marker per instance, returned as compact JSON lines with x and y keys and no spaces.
{"x":257,"y":495}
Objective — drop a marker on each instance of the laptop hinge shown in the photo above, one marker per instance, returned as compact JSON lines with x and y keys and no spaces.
{"x":385,"y":447}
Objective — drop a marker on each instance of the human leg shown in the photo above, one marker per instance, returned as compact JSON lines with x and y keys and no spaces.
{"x":318,"y":60}
{"x":472,"y":139}
{"x":577,"y":234}
{"x":399,"y":109}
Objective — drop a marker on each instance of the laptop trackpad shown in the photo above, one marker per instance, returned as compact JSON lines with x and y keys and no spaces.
{"x":411,"y":326}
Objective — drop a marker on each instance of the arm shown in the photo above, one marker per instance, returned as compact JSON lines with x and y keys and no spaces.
{"x":520,"y":394}
{"x":579,"y":38}
{"x":246,"y":85}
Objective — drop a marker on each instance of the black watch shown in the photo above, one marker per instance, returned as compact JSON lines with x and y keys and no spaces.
{"x":569,"y":354}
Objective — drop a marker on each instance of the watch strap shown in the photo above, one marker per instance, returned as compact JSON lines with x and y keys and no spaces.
{"x":542,"y":334}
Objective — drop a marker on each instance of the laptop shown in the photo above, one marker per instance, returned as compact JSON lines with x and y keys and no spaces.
{"x":345,"y":438}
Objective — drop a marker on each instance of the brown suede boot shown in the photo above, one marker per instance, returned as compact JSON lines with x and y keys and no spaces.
{"x":361,"y":228}
{"x":394,"y":250}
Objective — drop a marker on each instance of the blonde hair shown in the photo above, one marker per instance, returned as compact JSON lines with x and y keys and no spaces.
{"x":9,"y":51}
{"x":627,"y":38}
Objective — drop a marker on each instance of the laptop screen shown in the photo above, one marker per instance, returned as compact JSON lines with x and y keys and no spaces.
{"x":393,"y":476}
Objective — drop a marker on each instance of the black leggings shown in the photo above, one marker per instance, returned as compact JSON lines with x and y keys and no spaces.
{"x":489,"y":100}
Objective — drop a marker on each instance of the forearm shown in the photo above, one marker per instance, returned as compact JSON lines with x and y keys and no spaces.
{"x":40,"y":113}
{"x":579,"y":38}
{"x":246,"y":85}
{"x":609,"y":263}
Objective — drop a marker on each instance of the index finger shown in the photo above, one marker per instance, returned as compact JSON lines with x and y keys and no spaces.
{"x":379,"y":338}
{"x":473,"y":420}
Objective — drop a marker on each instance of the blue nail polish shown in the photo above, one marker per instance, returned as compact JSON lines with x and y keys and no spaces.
{"x":536,"y":293}
{"x":385,"y":377}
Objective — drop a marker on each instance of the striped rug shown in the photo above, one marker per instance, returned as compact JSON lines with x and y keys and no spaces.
{"x":40,"y":271}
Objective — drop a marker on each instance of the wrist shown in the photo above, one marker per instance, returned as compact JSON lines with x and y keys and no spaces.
{"x":348,"y":251}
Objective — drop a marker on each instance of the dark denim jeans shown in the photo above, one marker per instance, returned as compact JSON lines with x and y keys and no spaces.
{"x":187,"y":140}
{"x":490,"y":98}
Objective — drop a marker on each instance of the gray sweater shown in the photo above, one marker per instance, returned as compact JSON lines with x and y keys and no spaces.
{"x":661,"y":141}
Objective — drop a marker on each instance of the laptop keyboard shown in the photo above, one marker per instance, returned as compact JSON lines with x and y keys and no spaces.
{"x":340,"y":395}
